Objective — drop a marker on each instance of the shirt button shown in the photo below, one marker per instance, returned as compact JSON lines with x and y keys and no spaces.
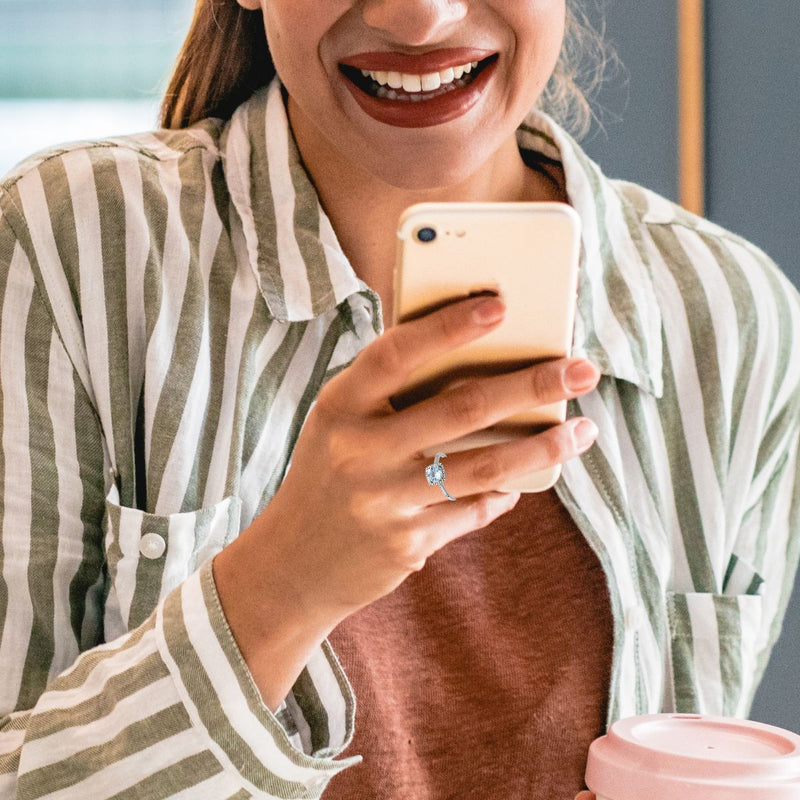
{"x":634,"y":618}
{"x":152,"y":545}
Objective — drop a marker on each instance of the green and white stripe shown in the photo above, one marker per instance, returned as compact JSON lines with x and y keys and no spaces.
{"x":171,"y":304}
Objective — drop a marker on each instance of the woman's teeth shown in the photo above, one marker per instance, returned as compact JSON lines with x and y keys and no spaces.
{"x":429,"y":82}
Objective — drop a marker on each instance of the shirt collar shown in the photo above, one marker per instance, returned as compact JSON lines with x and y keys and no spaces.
{"x":298,"y":263}
{"x":618,"y":324}
{"x":302,"y":271}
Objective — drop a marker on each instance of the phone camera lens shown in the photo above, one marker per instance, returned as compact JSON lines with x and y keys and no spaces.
{"x":426,"y":235}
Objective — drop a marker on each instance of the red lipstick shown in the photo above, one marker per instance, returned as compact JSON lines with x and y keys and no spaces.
{"x":424,"y":108}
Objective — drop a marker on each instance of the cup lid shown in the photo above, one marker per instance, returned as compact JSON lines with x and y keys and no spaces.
{"x":694,"y":757}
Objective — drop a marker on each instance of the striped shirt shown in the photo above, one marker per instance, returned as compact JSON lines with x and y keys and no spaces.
{"x":171,"y":304}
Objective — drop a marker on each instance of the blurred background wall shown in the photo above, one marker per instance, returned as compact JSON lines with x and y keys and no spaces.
{"x":74,"y":69}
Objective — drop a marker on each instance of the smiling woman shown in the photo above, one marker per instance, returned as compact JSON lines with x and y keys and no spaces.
{"x":217,"y":532}
{"x":211,"y":79}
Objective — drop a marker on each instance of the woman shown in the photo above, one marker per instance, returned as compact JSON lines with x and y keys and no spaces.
{"x":208,"y":496}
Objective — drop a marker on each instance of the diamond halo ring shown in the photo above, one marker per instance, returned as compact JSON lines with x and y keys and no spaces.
{"x":435,"y":474}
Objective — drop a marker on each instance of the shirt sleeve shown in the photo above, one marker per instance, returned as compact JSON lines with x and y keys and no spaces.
{"x":167,"y":708}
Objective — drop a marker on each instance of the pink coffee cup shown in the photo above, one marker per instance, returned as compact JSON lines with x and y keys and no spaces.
{"x":694,"y":757}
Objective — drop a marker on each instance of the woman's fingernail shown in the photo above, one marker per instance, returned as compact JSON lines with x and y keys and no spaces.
{"x":580,"y":375}
{"x":489,"y":310}
{"x":584,"y":433}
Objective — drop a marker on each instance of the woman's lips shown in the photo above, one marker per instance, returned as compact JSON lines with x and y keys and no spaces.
{"x":417,"y":109}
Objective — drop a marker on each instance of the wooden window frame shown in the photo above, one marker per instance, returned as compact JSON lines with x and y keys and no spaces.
{"x":691,"y":105}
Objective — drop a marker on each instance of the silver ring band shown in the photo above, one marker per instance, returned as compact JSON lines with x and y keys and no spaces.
{"x":435,"y":474}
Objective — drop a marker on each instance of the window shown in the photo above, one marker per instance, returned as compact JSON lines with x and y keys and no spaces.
{"x":83,"y":69}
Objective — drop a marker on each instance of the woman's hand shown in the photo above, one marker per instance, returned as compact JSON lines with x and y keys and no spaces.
{"x":355,"y":514}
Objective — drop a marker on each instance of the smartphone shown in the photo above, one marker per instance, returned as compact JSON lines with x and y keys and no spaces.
{"x":528,"y":253}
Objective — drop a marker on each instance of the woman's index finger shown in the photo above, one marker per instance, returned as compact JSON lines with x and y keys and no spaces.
{"x":383,"y":367}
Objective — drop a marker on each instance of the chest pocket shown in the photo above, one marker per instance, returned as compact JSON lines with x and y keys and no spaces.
{"x":714,"y":643}
{"x":148,"y":555}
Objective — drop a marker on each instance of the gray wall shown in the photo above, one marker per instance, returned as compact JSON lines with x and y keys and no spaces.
{"x":753,"y":169}
{"x":754,"y":119}
{"x":634,"y":137}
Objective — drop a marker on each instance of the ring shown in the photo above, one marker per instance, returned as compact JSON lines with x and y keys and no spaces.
{"x":435,"y":474}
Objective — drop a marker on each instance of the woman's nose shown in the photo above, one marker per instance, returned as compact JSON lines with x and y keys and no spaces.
{"x":414,"y":22}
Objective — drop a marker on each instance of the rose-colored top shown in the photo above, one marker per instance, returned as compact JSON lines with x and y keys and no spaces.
{"x":486,"y":674}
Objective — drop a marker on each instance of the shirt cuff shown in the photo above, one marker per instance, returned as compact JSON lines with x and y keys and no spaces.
{"x":226,"y":708}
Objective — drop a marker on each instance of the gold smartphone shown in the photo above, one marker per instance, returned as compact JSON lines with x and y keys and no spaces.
{"x":529,"y":253}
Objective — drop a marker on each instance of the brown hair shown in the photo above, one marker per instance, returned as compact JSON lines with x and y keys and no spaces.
{"x":225,"y":58}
